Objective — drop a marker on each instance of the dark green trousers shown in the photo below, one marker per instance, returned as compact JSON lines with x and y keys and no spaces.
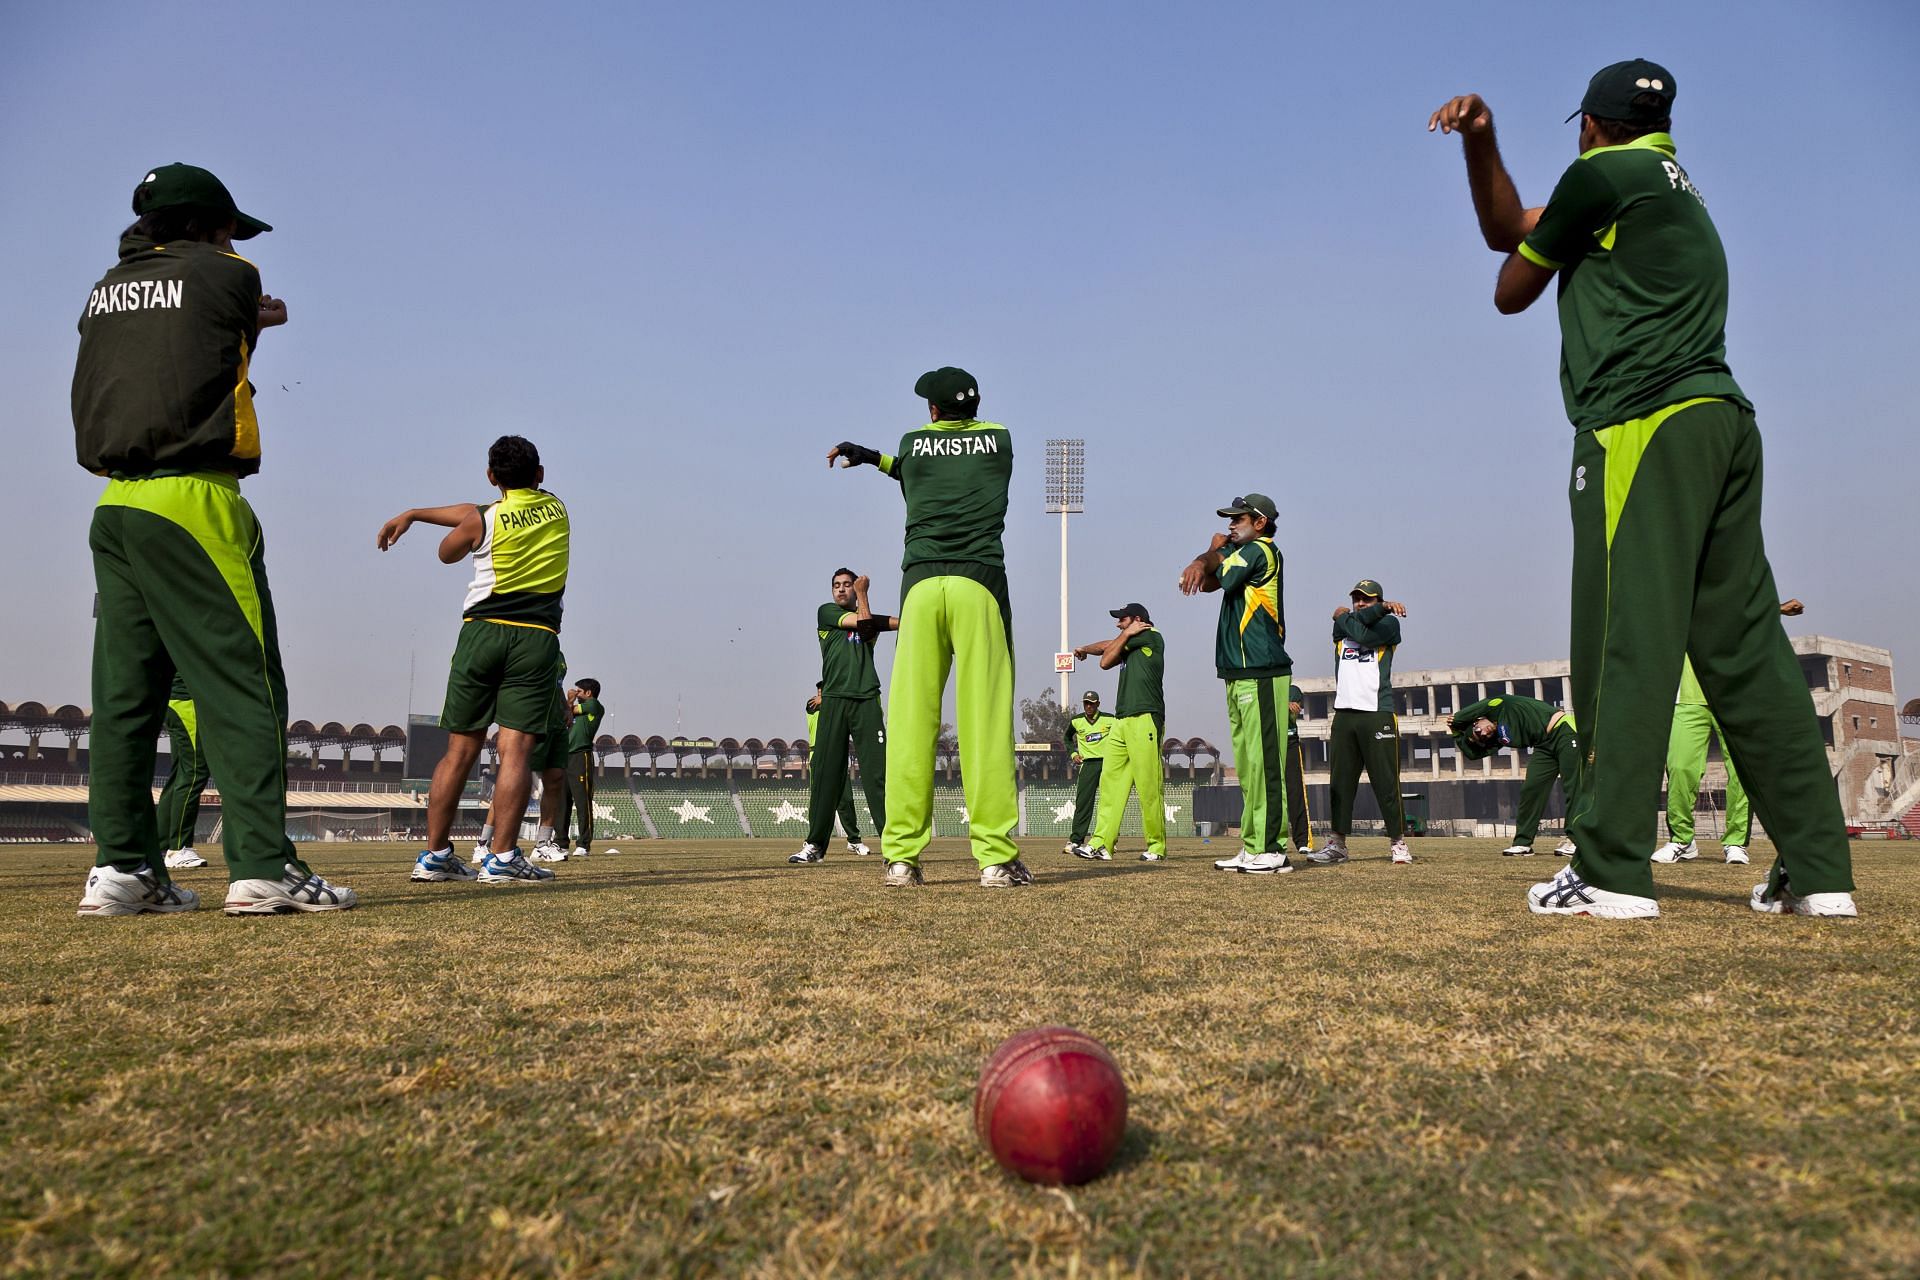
{"x":576,"y":804}
{"x":1668,"y":561}
{"x":1368,"y":740}
{"x":843,"y":721}
{"x":178,"y":809}
{"x":1557,"y":757}
{"x":1297,"y":819}
{"x":181,"y":569}
{"x":1086,"y":799}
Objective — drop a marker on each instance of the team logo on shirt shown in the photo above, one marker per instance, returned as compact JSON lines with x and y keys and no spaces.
{"x":944,"y":446}
{"x":136,"y":295}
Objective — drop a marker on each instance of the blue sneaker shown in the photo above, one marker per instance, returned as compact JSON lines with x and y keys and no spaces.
{"x":444,"y":865}
{"x":511,"y":867}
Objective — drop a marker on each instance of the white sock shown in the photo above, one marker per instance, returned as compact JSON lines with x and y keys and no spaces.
{"x":543,"y":835}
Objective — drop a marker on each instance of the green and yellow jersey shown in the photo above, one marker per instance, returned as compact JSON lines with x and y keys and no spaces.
{"x":520,"y":566}
{"x":954,"y":477}
{"x":846,"y":653}
{"x":1143,"y":672}
{"x":1519,"y":722}
{"x":1250,"y":641}
{"x":1087,"y":734}
{"x":587,"y":716}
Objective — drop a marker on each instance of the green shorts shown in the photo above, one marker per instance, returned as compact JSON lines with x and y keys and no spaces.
{"x":502,"y":674}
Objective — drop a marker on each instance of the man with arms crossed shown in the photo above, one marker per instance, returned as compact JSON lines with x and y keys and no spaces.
{"x":1365,"y":734}
{"x":1668,"y":560}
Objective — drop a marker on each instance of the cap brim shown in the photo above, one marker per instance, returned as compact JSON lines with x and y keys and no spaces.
{"x":246,"y":226}
{"x":1577,"y":113}
{"x":1234,"y":511}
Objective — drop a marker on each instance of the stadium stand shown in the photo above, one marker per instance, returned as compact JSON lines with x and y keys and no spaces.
{"x":1049,"y":811}
{"x":691,"y":809}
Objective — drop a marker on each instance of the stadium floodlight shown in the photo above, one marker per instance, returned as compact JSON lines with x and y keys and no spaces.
{"x":1067,"y":495}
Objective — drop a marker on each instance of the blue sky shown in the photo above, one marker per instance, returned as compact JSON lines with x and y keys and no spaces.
{"x":686,"y":250}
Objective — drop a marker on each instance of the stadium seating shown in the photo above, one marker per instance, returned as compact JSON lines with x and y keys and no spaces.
{"x":692,"y":810}
{"x":1049,"y":810}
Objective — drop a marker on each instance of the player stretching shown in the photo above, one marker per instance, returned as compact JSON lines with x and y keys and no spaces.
{"x":849,"y":713}
{"x":849,"y":817}
{"x":506,"y":663}
{"x":954,"y":612}
{"x":1132,"y":746}
{"x":1667,"y":554}
{"x":1365,"y":732}
{"x":1515,"y":722}
{"x":162,"y":405}
{"x":1086,"y":745}
{"x":585,"y":715}
{"x":1249,"y":653}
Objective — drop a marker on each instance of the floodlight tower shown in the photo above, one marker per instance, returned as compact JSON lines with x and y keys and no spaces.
{"x":1066,"y":494}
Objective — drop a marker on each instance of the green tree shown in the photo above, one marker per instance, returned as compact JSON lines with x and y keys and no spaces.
{"x":1045,"y":718}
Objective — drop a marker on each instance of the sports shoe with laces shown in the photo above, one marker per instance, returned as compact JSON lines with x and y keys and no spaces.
{"x":431,"y":867}
{"x":1005,"y":875}
{"x":903,"y":875}
{"x":1332,"y":855}
{"x":1267,"y":864}
{"x":1788,"y":903}
{"x":577,"y":852}
{"x":1091,"y":852}
{"x":1673,"y":851}
{"x":1238,"y":862}
{"x":113,"y":892}
{"x":1568,"y":895}
{"x":480,"y":852}
{"x":1517,"y":851}
{"x":857,"y":849}
{"x":511,"y":867}
{"x":1402,"y":856}
{"x":548,"y":852}
{"x":1149,"y":855}
{"x":183,"y":858}
{"x":1736,"y":853}
{"x":298,"y":889}
{"x":1566,"y":848}
{"x":808,"y":853}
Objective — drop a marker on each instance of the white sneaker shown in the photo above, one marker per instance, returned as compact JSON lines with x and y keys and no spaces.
{"x":548,"y":852}
{"x":511,"y":867}
{"x":577,"y":852}
{"x":1736,"y":853}
{"x":858,"y":849}
{"x":1402,"y":856}
{"x":1148,"y":856}
{"x":1091,"y":852}
{"x":1331,"y":856}
{"x":431,"y":867}
{"x":1809,"y":904}
{"x":183,"y":858}
{"x":809,"y":853}
{"x":1566,"y":848}
{"x":903,"y":875}
{"x":1672,"y":852}
{"x":297,"y":890}
{"x":1005,"y":875}
{"x":1568,"y":895}
{"x":480,"y":854}
{"x":1267,"y":864}
{"x":1517,"y":851}
{"x":113,"y":892}
{"x":1238,"y":862}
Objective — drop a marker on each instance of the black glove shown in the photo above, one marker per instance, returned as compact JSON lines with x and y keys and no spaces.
{"x":854,"y":455}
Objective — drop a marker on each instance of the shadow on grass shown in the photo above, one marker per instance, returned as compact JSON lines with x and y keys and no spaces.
{"x":1135,"y":1147}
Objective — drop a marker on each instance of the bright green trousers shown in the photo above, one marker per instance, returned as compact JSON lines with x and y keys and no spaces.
{"x":1687,"y":764}
{"x":1668,"y":562}
{"x":1133,"y":763}
{"x":1257,"y":720}
{"x":951,"y":624}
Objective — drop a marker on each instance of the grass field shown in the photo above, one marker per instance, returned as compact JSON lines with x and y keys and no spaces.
{"x":696,"y":1061}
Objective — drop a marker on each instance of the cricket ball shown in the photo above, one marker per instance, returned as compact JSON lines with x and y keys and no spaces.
{"x":1051,"y":1106}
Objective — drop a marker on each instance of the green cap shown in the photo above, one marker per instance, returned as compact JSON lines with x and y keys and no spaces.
{"x":1611,"y":92}
{"x":1094,"y":698}
{"x":1367,"y":587}
{"x":949,"y":388}
{"x":178,"y":186}
{"x":1254,"y":504}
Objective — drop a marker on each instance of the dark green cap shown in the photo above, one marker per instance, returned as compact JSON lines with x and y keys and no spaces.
{"x":180,"y":186}
{"x":949,"y":388}
{"x":1611,"y":92}
{"x":1094,"y":698}
{"x":1367,"y":587}
{"x":1254,"y":504}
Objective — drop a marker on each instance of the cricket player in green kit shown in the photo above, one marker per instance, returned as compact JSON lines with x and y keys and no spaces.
{"x":587,"y":714}
{"x":1298,"y":820}
{"x":162,"y":407}
{"x":1087,"y":744}
{"x":849,"y":816}
{"x":177,"y":810}
{"x":954,"y":613}
{"x":1365,"y":734}
{"x":849,"y":714}
{"x":1509,"y":720}
{"x":1250,"y":655}
{"x":1132,"y":746}
{"x":506,"y":664}
{"x":1668,"y":559}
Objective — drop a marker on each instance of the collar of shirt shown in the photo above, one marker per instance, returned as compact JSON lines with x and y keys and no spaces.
{"x":1645,"y":142}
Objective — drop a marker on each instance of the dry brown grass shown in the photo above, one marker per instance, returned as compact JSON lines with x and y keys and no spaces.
{"x":696,"y":1060}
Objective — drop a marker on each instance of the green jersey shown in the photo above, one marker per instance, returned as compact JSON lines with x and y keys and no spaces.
{"x":1250,"y":642}
{"x":1088,"y":736}
{"x":1363,"y":644}
{"x":1691,"y":694}
{"x":954,"y":477}
{"x":520,"y":566}
{"x":846,"y":655}
{"x":1518,"y":722}
{"x":1643,"y":285}
{"x":161,"y":381}
{"x":1143,"y":672}
{"x":813,"y":723}
{"x":587,"y":715}
{"x":1293,"y":714}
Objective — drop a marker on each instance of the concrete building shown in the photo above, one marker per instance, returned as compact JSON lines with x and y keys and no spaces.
{"x":1876,"y":771}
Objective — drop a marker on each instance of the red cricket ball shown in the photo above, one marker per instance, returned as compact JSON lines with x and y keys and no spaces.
{"x":1051,"y":1106}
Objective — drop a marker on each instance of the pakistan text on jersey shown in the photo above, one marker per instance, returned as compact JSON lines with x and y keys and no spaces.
{"x":954,"y":446}
{"x":527,"y":517}
{"x":135,"y":295}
